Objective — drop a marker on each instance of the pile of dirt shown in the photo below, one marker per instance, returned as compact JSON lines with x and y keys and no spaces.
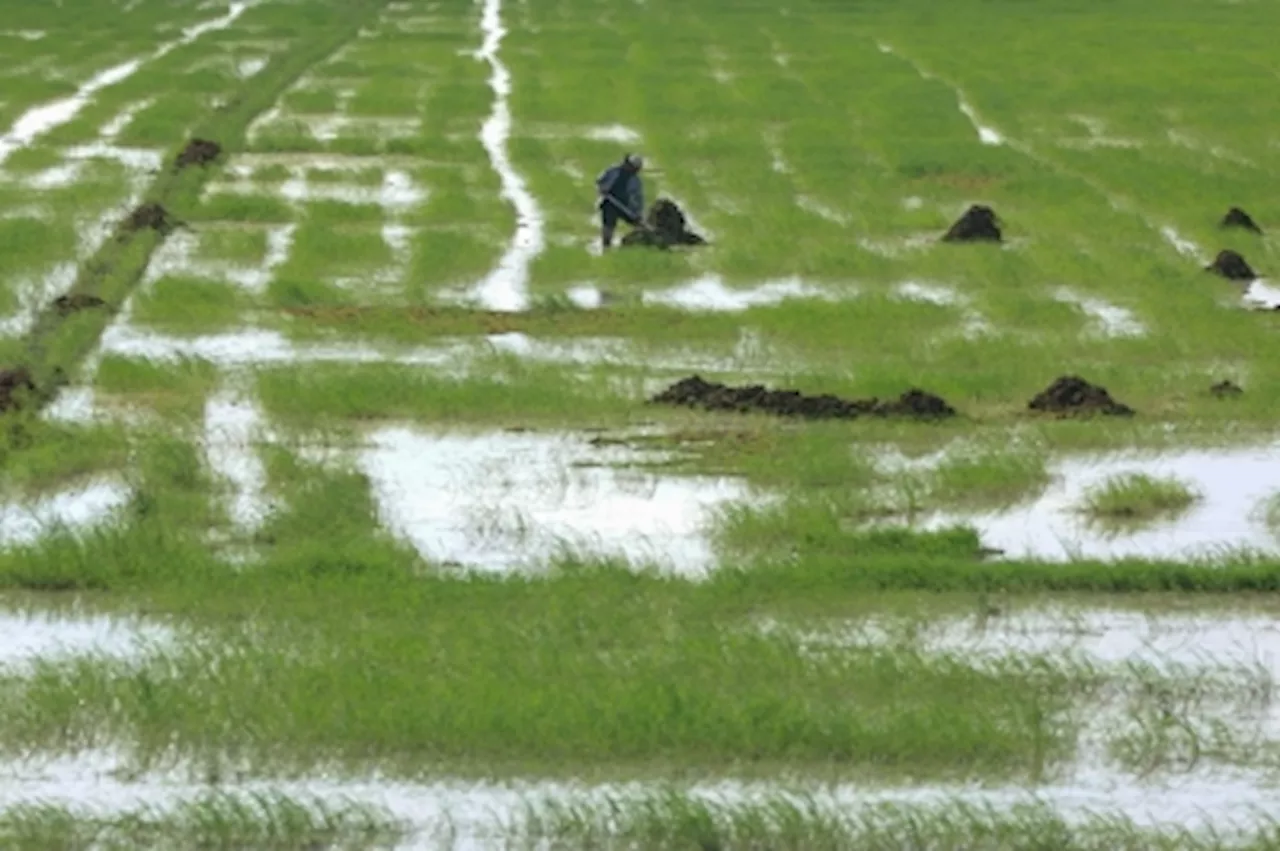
{"x":1237,"y":218}
{"x":68,"y":304}
{"x":695,"y":392}
{"x":1231,"y":266}
{"x":978,"y":224}
{"x":1071,"y":394}
{"x":1226,"y":390}
{"x":198,"y":152}
{"x":11,"y":381}
{"x":664,"y":226}
{"x":151,"y":215}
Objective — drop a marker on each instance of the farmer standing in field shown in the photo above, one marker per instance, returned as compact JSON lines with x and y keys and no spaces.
{"x":621,"y":196}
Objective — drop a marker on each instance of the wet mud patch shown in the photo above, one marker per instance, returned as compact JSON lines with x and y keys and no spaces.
{"x":665,"y":225}
{"x":978,"y":224}
{"x":15,"y":383}
{"x":1071,"y":395}
{"x":696,"y":392}
{"x":1226,"y":390}
{"x":66,"y":305}
{"x":150,"y":216}
{"x":199,"y":152}
{"x":1238,"y":218}
{"x":1232,"y":266}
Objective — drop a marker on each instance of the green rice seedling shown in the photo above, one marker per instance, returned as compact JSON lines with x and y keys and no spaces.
{"x":211,"y":819}
{"x":321,"y":253}
{"x":387,"y":96}
{"x":39,"y":456}
{"x":311,"y":101}
{"x":293,"y":293}
{"x":233,"y":207}
{"x":271,"y":174}
{"x":502,"y":391}
{"x":989,"y":477}
{"x":1138,"y":498}
{"x":329,"y":214}
{"x":442,"y":258}
{"x":32,"y":158}
{"x":661,"y":684}
{"x":28,"y":245}
{"x":671,"y":817}
{"x":179,"y":388}
{"x":240,"y":246}
{"x":190,"y":305}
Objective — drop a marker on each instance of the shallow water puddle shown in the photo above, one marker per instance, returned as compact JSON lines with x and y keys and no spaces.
{"x":506,"y":501}
{"x":78,"y":509}
{"x":1110,"y":320}
{"x":41,"y":119}
{"x":1233,"y":485}
{"x":710,"y":293}
{"x":1110,"y":637}
{"x":1262,"y":294}
{"x":506,"y":288}
{"x":464,"y":815}
{"x":27,"y":637}
{"x":233,"y":422}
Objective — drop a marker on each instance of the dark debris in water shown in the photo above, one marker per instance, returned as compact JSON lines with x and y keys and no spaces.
{"x":1237,"y":218}
{"x":1226,"y":390}
{"x":978,"y":224}
{"x":1232,"y":266}
{"x":1071,"y":395}
{"x":12,"y":383}
{"x":695,"y":392}
{"x":75,"y":302}
{"x":151,"y":216}
{"x":664,"y":226}
{"x":198,"y":152}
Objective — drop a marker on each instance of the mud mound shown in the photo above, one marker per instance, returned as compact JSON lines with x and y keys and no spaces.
{"x":978,"y":224}
{"x":1237,"y":218}
{"x":12,"y":381}
{"x":1071,"y":394}
{"x":695,"y":392}
{"x":153,"y":216}
{"x":665,"y":225}
{"x":1231,"y":266}
{"x":68,"y":304}
{"x":198,"y":152}
{"x":1226,"y":390}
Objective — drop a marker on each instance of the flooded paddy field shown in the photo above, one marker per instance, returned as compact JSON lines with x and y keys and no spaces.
{"x":916,"y":486}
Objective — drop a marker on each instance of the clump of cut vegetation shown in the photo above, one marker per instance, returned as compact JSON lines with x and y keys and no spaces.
{"x":1138,"y":498}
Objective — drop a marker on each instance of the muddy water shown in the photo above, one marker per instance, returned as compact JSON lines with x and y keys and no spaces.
{"x":710,"y":293}
{"x":472,"y":815}
{"x":37,"y":636}
{"x":506,"y":501}
{"x":1233,"y":486}
{"x":23,"y":522}
{"x":507,"y":287}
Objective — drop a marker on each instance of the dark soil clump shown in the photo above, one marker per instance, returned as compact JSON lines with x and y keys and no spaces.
{"x":198,"y":152}
{"x":1226,"y":390}
{"x":152,"y":216}
{"x":978,"y":224}
{"x":68,"y":304}
{"x":1071,"y":394}
{"x":664,"y":226}
{"x":1231,"y":266}
{"x":11,"y":381}
{"x":1237,"y":218}
{"x":695,"y":392}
